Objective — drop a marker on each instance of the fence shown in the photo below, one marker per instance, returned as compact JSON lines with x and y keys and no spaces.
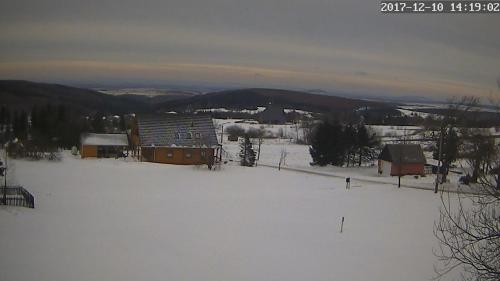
{"x":16,"y":196}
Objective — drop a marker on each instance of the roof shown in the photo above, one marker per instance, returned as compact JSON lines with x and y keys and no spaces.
{"x":273,"y":113}
{"x":403,"y":154}
{"x":176,"y":130}
{"x":104,"y":139}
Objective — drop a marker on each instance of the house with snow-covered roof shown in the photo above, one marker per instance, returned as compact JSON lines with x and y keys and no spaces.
{"x":183,"y":139}
{"x":103,"y":145}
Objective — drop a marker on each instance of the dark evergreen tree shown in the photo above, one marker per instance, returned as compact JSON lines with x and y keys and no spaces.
{"x":335,"y":144}
{"x":123,"y":126}
{"x":328,"y":144}
{"x":366,"y":144}
{"x":20,"y":125}
{"x":320,"y":142}
{"x":97,"y":123}
{"x":351,"y":142}
{"x":5,"y":124}
{"x":4,"y":115}
{"x":247,"y":154}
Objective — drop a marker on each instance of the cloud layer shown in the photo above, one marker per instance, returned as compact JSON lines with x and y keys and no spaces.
{"x":335,"y":45}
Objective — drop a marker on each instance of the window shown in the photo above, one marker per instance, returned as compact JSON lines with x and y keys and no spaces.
{"x":197,"y":135}
{"x":170,"y":153}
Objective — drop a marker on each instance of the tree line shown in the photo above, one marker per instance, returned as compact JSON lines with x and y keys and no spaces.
{"x":342,"y":144}
{"x":33,"y":133}
{"x":461,"y":141}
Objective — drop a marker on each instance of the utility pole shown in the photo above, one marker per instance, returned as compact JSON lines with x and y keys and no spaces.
{"x":222,"y":134}
{"x":260,"y":142}
{"x":400,"y":165}
{"x":5,"y":178}
{"x":440,"y":152}
{"x":297,"y":130}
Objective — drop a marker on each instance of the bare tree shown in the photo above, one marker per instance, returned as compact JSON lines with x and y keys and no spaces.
{"x":469,"y":233}
{"x":235,"y":131}
{"x":456,"y":117}
{"x":468,"y":228}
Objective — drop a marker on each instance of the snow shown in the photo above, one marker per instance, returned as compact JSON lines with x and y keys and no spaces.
{"x":299,"y":158}
{"x":105,"y":139}
{"x":298,"y":111}
{"x":107,"y":219}
{"x":395,"y":131}
{"x":225,"y":110}
{"x":253,"y":111}
{"x":287,"y":131}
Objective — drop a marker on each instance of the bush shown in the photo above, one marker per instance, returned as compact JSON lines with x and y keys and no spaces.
{"x":255,"y":133}
{"x":235,"y":131}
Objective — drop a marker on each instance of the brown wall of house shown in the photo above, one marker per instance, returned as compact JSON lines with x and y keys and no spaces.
{"x":407,"y":169}
{"x":88,"y":151}
{"x":178,"y":156}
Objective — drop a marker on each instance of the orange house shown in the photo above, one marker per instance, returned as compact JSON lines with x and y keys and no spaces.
{"x":177,"y":139}
{"x":102,"y":145}
{"x":401,"y":160}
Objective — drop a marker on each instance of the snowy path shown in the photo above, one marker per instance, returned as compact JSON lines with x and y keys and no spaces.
{"x":298,"y":159}
{"x":447,"y":187}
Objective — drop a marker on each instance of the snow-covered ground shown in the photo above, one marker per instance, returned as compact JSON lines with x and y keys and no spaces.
{"x":294,"y":131}
{"x":285,"y":131}
{"x":107,"y":219}
{"x":298,"y":157}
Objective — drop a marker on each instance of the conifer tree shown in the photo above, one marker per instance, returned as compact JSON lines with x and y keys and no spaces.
{"x":320,"y":144}
{"x":247,"y":154}
{"x":328,"y":145}
{"x":365,"y":144}
{"x":339,"y":145}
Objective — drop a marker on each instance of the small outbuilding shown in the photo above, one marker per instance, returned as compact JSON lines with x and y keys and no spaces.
{"x":401,"y":160}
{"x":103,"y":145}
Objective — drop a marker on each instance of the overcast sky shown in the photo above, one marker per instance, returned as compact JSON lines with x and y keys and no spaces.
{"x":343,"y":45}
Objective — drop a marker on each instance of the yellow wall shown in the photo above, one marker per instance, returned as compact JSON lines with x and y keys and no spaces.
{"x":88,"y":151}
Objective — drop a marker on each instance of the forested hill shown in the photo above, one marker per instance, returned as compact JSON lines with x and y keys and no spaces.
{"x":251,"y":98}
{"x":23,"y":95}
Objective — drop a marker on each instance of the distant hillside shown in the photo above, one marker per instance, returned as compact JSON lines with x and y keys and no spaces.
{"x":154,"y":100}
{"x":252,"y":98}
{"x":151,"y":96}
{"x":24,"y":95}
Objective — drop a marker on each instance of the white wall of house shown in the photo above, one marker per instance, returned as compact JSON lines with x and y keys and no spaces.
{"x":385,"y":167}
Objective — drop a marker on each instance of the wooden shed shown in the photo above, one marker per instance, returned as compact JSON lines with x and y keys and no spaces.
{"x":103,"y":145}
{"x":177,"y":139}
{"x":401,"y":159}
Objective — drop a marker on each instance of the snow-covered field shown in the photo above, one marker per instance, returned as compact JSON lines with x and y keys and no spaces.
{"x":106,"y":219}
{"x":298,"y":157}
{"x":293,"y":131}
